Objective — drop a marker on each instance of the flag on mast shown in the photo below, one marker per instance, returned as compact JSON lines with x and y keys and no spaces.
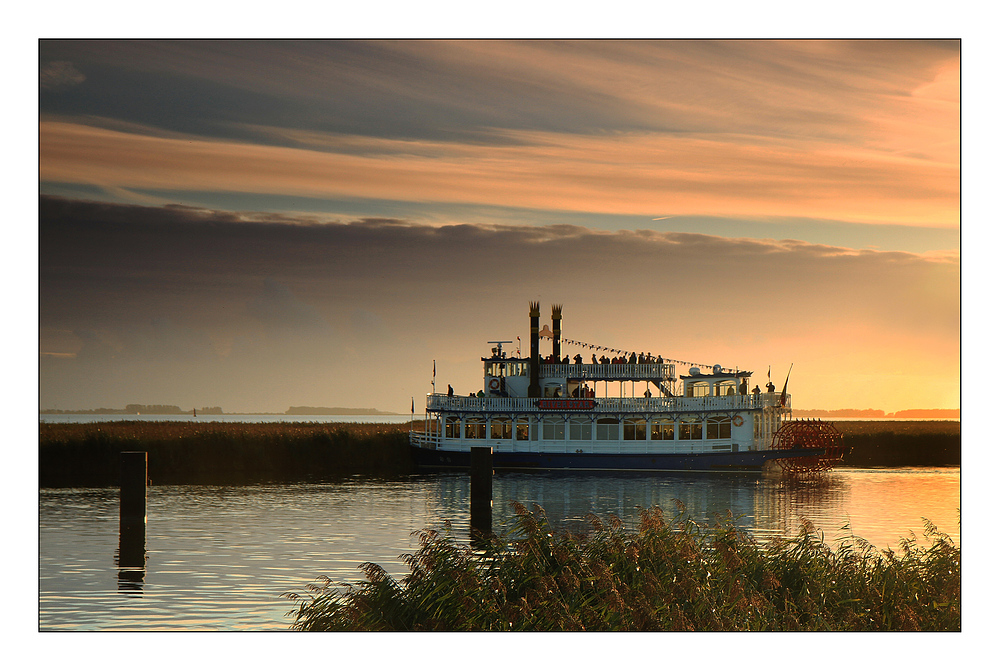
{"x":784,"y":390}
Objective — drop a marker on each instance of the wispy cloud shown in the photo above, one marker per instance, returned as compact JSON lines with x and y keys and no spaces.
{"x":863,"y":131}
{"x":57,"y":75}
{"x":624,"y":174}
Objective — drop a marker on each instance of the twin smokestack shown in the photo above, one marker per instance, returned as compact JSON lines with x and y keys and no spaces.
{"x":534,"y":388}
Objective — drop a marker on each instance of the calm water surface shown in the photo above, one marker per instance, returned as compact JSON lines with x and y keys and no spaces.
{"x":219,"y":558}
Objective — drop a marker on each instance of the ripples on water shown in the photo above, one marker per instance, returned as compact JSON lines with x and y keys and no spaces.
{"x":218,"y":558}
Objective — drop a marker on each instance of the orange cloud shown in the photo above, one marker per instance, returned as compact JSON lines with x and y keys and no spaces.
{"x":642,"y":174}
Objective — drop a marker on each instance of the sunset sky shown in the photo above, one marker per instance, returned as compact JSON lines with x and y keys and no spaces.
{"x":262,"y":224}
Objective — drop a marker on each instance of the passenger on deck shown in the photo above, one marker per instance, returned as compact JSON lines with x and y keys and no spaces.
{"x":578,"y":359}
{"x":451,"y":392}
{"x":756,"y":390}
{"x":593,"y":358}
{"x":770,"y":387}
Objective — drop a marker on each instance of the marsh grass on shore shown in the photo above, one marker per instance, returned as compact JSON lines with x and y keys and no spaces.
{"x":666,"y":575}
{"x":86,"y":454}
{"x":184,"y":452}
{"x":902,"y":443}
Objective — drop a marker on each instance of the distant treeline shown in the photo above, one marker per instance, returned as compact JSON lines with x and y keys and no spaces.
{"x":137,"y":409}
{"x":311,"y":410}
{"x":86,"y":455}
{"x":941,"y":413}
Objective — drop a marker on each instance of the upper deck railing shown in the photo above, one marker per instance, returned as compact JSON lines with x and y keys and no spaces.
{"x":660,"y":404}
{"x":609,"y":371}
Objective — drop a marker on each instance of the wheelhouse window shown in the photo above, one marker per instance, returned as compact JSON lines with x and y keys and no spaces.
{"x":699,"y":389}
{"x":500,"y":428}
{"x":607,"y":428}
{"x":635,"y":429}
{"x":661,"y":429}
{"x":718,"y":427}
{"x":553,"y":429}
{"x":725,"y":388}
{"x":475,"y":427}
{"x":690,"y":429}
{"x":581,"y":428}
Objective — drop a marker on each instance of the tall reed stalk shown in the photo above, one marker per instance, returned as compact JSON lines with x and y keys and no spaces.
{"x":664,"y":575}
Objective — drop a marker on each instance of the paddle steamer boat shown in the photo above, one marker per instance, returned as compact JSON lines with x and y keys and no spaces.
{"x":547,"y":414}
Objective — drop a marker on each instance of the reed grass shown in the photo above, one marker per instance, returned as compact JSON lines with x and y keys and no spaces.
{"x":665,"y":575}
{"x":87,"y":454}
{"x":899,"y":443}
{"x":184,"y":452}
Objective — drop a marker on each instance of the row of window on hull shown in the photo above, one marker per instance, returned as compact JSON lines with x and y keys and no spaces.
{"x":605,"y":428}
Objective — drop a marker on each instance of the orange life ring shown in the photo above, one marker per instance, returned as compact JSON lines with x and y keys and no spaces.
{"x":737,"y":420}
{"x":494,"y":384}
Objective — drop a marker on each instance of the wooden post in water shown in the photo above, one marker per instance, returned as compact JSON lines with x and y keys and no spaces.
{"x":132,"y":513}
{"x":481,"y":461}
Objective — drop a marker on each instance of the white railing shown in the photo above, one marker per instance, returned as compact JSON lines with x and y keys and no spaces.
{"x":494,"y":405}
{"x":610,"y":371}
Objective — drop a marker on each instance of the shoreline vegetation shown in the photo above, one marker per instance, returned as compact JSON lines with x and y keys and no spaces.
{"x":169,"y":410}
{"x":137,"y":409}
{"x":179,"y":452}
{"x":666,"y":575}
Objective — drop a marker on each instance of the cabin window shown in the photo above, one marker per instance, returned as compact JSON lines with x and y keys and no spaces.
{"x":580,"y":428}
{"x":522,"y":429}
{"x":635,"y":429}
{"x":661,"y":429}
{"x":500,"y":428}
{"x":553,"y":429}
{"x":453,"y":428}
{"x":690,"y":429}
{"x":718,"y":427}
{"x":607,"y":428}
{"x":475,"y":427}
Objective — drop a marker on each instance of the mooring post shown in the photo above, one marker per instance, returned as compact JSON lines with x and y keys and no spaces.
{"x":481,"y":461}
{"x":132,"y":513}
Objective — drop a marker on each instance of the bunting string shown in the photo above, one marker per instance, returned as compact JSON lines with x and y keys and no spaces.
{"x":620,"y":352}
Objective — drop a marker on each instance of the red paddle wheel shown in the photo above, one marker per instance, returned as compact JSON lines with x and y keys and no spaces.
{"x":809,"y":434}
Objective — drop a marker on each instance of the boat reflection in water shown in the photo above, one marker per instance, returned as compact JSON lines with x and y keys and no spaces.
{"x":769,"y":505}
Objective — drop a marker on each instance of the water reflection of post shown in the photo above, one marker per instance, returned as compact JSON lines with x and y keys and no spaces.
{"x":481,"y":493}
{"x":132,"y":522}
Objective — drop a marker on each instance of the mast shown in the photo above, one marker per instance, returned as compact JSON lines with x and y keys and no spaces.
{"x":534,"y":388}
{"x":556,"y":331}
